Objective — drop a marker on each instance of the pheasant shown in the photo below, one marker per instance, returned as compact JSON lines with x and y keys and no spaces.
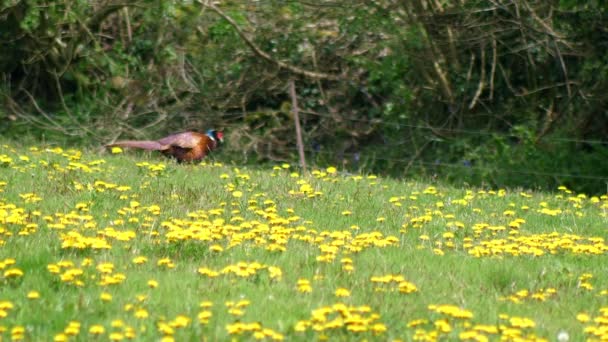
{"x":184,"y":147}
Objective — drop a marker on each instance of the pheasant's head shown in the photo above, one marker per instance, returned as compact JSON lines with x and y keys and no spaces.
{"x":216,"y":135}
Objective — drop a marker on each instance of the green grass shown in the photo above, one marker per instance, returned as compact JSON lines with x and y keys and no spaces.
{"x":310,"y":227}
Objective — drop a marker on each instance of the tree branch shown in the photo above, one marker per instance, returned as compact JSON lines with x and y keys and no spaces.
{"x":266,"y":56}
{"x":493,"y":72}
{"x":482,"y":78}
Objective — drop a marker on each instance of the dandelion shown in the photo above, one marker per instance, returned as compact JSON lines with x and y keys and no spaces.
{"x":417,"y":322}
{"x":59,"y":338}
{"x":583,"y":317}
{"x":342,"y":292}
{"x":216,"y":248}
{"x":181,"y":321}
{"x":378,"y":328}
{"x":275,"y":272}
{"x":165,"y":329}
{"x":17,"y":332}
{"x":206,"y":304}
{"x":141,"y":314}
{"x":204,"y":317}
{"x":166,"y":262}
{"x":6,"y":305}
{"x":97,"y":329}
{"x":33,"y":295}
{"x":152,"y":283}
{"x":407,"y":287}
{"x":105,"y":268}
{"x":208,"y":272}
{"x":116,"y":336}
{"x":72,"y":329}
{"x":140,"y":260}
{"x":443,"y":326}
{"x":303,"y":285}
{"x":13,"y":273}
{"x":116,"y":150}
{"x":521,"y":322}
{"x":117,"y":323}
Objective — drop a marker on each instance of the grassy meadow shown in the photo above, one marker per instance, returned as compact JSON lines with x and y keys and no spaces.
{"x":136,"y":247}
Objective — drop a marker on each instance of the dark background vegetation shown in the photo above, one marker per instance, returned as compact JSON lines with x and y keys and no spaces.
{"x":501,"y":93}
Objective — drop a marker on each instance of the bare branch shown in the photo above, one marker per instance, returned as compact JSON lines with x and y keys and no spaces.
{"x":97,"y":18}
{"x":266,"y":56}
{"x":493,"y":71}
{"x":482,"y":78}
{"x":564,"y":69}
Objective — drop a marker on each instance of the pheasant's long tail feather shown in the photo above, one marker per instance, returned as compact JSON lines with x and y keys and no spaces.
{"x":143,"y":144}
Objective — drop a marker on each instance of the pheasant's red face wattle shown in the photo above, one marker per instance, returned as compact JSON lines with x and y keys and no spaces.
{"x":220,"y":136}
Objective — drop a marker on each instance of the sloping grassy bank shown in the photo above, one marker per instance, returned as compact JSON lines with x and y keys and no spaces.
{"x":118,"y":247}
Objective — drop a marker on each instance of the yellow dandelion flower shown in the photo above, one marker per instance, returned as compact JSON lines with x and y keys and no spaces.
{"x":181,"y":321}
{"x":165,"y":262}
{"x":583,"y":317}
{"x":33,"y":295}
{"x":206,"y":304}
{"x":60,"y":338}
{"x":216,"y":248}
{"x":443,"y":326}
{"x":342,"y":292}
{"x":141,"y":314}
{"x":117,"y":323}
{"x":275,"y":272}
{"x":6,"y":305}
{"x":378,"y":328}
{"x":204,"y":316}
{"x":236,"y":312}
{"x":72,"y":329}
{"x":140,"y":260}
{"x":13,"y":273}
{"x":17,"y":333}
{"x":116,"y":336}
{"x":407,"y":287}
{"x":417,"y":322}
{"x":97,"y":329}
{"x":522,"y":322}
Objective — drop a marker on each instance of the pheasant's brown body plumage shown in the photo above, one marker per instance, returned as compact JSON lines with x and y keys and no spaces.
{"x":185,"y":146}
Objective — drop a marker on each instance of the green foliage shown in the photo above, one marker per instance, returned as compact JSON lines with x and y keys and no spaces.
{"x":518,"y":159}
{"x":418,"y":80}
